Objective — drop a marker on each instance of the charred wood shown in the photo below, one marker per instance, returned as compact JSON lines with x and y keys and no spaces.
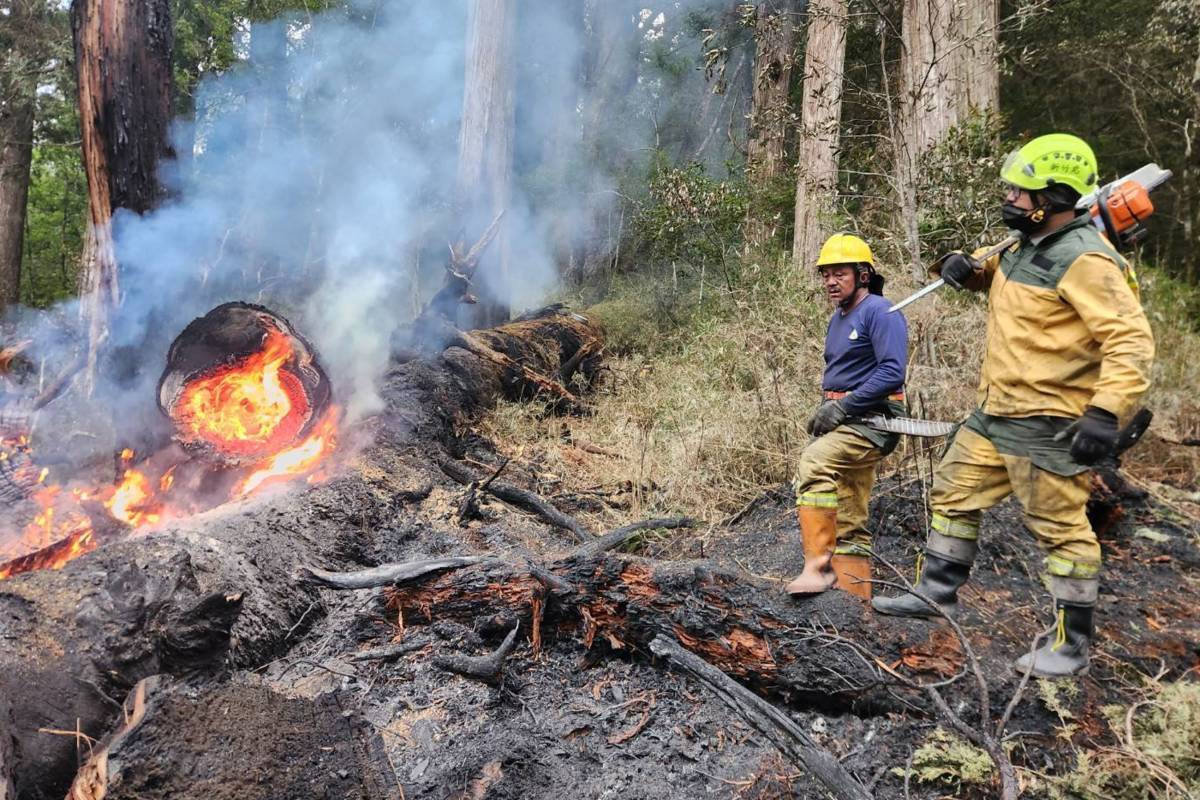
{"x":391,"y":651}
{"x":768,"y":720}
{"x":626,"y":533}
{"x":387,"y":574}
{"x":199,"y":598}
{"x":742,"y":626}
{"x":518,"y":498}
{"x":485,"y":668}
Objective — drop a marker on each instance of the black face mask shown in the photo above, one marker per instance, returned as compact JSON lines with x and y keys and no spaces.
{"x":1024,"y":220}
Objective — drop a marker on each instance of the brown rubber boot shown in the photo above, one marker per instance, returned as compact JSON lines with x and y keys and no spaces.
{"x":853,"y":575}
{"x":818,"y":529}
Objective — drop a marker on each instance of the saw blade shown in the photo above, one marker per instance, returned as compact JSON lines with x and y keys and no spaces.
{"x":908,"y":426}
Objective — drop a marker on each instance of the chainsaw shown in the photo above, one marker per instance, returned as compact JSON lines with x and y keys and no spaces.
{"x":1118,"y":209}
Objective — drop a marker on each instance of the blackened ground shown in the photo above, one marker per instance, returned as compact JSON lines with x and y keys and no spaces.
{"x":1146,"y":620}
{"x":276,"y":717}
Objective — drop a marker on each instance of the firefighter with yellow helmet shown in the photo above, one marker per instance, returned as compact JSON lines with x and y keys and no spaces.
{"x":1068,"y":353}
{"x":866,"y":354}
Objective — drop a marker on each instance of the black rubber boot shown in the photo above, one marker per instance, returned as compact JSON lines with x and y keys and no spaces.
{"x":1067,"y":653}
{"x":939,"y":580}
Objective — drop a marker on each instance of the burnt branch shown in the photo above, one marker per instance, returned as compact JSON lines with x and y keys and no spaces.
{"x":482,"y":667}
{"x":626,"y":533}
{"x":391,"y":651}
{"x":468,"y":507}
{"x":987,"y":736}
{"x":766,"y":719}
{"x":386,"y":574}
{"x":459,"y":272}
{"x":519,"y":498}
{"x":465,"y":264}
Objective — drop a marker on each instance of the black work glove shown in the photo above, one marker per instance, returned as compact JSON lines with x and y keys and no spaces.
{"x":831,"y":414}
{"x":1095,"y":436}
{"x":957,"y":269}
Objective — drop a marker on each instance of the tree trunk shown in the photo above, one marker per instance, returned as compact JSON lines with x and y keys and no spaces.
{"x":17,"y":91}
{"x":949,"y":69}
{"x":770,"y":116}
{"x":123,"y":63}
{"x":610,"y":74}
{"x":817,"y":163}
{"x":485,"y":146}
{"x":977,"y":62}
{"x":558,"y":95}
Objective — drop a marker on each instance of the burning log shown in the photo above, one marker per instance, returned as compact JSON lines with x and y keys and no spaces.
{"x":241,"y":385}
{"x":202,"y":596}
{"x":741,"y":625}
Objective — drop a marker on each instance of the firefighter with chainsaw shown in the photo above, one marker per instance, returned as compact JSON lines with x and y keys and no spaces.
{"x":1068,"y":353}
{"x":866,"y":352}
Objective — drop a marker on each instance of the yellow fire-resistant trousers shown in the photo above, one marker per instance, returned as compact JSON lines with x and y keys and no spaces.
{"x":837,"y":470}
{"x":974,"y":476}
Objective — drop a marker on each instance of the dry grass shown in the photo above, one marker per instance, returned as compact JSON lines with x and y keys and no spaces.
{"x":715,"y":414}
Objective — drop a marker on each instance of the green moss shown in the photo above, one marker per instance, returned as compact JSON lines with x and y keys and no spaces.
{"x":947,"y":759}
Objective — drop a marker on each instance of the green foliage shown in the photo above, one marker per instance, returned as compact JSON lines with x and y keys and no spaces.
{"x":959,"y":194}
{"x":204,"y":43}
{"x":1173,"y":302}
{"x":691,"y":219}
{"x":56,"y":209}
{"x":1118,"y":73}
{"x":945,"y":758}
{"x":54,"y":225}
{"x":1158,"y":756}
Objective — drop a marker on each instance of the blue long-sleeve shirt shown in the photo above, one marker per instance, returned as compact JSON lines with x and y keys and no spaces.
{"x":866,"y":352}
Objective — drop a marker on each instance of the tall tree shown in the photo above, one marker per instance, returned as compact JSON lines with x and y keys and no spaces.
{"x":820,"y":116}
{"x":483,"y":186}
{"x":611,"y":59}
{"x":949,"y":69}
{"x":19,"y":69}
{"x":770,"y":116}
{"x":123,"y":63}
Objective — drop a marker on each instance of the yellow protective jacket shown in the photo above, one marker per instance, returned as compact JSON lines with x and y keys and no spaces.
{"x":1065,"y":327}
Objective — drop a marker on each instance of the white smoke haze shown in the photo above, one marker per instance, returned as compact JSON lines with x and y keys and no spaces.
{"x":317,"y":179}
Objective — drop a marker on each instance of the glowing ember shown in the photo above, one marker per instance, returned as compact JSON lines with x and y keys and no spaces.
{"x":295,"y":461}
{"x":251,"y":408}
{"x":266,"y":415}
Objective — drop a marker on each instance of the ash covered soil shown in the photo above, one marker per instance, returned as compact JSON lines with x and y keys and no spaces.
{"x":604,"y":723}
{"x":290,"y":713}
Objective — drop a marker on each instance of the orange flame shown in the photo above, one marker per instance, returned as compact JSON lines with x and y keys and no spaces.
{"x":251,"y":408}
{"x":296,"y":460}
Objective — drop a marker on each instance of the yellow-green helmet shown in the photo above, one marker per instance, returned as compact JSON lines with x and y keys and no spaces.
{"x":1056,"y":158}
{"x":844,"y":248}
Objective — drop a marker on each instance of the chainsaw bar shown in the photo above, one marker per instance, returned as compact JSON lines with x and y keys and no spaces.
{"x":928,"y":428}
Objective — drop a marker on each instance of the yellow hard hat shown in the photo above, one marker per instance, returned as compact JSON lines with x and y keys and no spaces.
{"x":844,"y":248}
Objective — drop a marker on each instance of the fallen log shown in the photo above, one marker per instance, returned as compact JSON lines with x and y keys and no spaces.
{"x":219,"y":590}
{"x":741,"y":625}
